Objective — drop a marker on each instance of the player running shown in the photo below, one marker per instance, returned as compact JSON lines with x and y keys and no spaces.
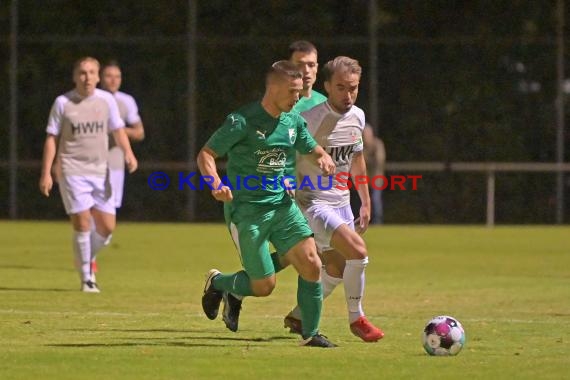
{"x":337,"y":125}
{"x":257,"y":140}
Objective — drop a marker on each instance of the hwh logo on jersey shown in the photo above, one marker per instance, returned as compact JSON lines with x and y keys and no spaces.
{"x":340,"y":154}
{"x":88,"y":127}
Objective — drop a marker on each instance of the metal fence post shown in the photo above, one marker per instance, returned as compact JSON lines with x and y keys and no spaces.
{"x":490,"y":198}
{"x":192,"y":118}
{"x":13,"y":160}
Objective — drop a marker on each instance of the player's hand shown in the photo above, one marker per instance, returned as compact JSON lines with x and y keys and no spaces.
{"x":289,"y":187}
{"x":326,"y":165}
{"x":361,"y":223}
{"x":223,"y":194}
{"x":46,"y":183}
{"x":132,"y":163}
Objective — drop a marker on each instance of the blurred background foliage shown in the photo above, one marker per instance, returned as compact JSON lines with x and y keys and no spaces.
{"x":458,"y":81}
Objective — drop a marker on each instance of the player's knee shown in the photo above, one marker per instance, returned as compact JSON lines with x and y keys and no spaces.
{"x":81,"y":223}
{"x":81,"y":226}
{"x":311,"y":270}
{"x":105,"y":228}
{"x":263,"y":289}
{"x":314,"y":261}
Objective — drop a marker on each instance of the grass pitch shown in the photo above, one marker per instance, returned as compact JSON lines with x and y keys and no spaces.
{"x":509,"y":286}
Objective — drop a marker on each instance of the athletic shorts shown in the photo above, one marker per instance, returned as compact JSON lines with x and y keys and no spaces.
{"x":324,"y":220}
{"x":117,"y":179}
{"x":253,"y":227}
{"x":117,"y":174}
{"x":80,"y":193}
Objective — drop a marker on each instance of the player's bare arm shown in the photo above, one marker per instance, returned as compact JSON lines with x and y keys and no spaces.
{"x":321,"y":158}
{"x":122,"y":141}
{"x":207,"y":166}
{"x":358,"y":168}
{"x":50,"y":148}
{"x":135,"y":132}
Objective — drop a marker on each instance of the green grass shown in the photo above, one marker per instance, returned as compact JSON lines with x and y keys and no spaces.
{"x":509,"y":286}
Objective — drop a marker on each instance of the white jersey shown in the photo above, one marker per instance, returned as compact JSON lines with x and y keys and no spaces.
{"x":129,"y":112}
{"x":83,"y":126}
{"x":341,"y":136}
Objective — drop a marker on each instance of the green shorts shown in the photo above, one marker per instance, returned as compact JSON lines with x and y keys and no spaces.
{"x":253,"y":227}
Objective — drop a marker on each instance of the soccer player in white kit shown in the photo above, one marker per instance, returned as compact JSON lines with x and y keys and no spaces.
{"x":111,"y":80}
{"x":337,"y":125}
{"x":77,"y":134}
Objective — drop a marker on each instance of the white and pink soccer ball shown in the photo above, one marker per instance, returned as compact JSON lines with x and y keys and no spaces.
{"x":443,"y":336}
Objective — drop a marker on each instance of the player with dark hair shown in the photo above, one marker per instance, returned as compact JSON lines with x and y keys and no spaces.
{"x":305,"y":56}
{"x":111,"y":81}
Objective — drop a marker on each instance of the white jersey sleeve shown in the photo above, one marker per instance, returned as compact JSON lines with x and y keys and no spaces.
{"x":341,"y":136}
{"x":115,"y":121}
{"x":55,"y":116}
{"x":128,"y":108}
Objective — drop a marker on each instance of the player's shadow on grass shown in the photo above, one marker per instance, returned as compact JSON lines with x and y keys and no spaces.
{"x":176,"y":331}
{"x":140,"y":330}
{"x":30,"y":267}
{"x":6,"y":289}
{"x":269,"y":339}
{"x":246,"y":342}
{"x":17,"y":267}
{"x":186,"y":331}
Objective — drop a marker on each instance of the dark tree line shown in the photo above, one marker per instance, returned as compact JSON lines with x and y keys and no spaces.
{"x":459,"y":81}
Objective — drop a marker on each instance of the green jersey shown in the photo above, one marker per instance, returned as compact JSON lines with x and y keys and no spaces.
{"x":303,"y":105}
{"x":257,"y":146}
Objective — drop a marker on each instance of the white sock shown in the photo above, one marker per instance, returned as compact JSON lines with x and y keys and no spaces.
{"x":354,"y":287}
{"x":82,"y":251}
{"x":97,"y":243}
{"x":329,"y":284}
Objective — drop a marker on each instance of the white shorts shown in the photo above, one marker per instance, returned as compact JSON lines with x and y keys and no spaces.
{"x":116,"y":161}
{"x":117,"y":179}
{"x":324,"y":220}
{"x":80,"y":193}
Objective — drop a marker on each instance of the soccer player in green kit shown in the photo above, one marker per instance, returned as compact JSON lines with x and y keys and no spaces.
{"x":257,"y":139}
{"x":304,"y":55}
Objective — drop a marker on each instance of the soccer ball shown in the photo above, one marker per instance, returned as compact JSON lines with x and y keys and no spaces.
{"x":443,"y":335}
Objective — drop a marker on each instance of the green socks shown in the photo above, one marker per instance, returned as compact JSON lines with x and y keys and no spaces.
{"x":310,"y":301}
{"x":235,"y":283}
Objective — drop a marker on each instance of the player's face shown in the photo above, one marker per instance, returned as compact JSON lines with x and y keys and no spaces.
{"x":342,"y":90}
{"x":307,"y":64}
{"x":86,"y":77}
{"x":111,"y":79}
{"x":287,"y":93}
